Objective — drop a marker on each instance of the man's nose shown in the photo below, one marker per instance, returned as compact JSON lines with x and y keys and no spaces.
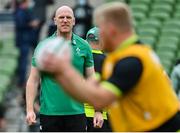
{"x":65,"y":19}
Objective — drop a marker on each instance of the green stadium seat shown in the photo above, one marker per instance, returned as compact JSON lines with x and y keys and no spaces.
{"x":8,"y":48}
{"x":124,"y":1}
{"x":178,"y":55}
{"x":170,"y":32}
{"x":167,"y":64}
{"x":150,"y":41}
{"x":12,"y":52}
{"x":8,"y":42}
{"x":159,"y":15}
{"x":172,"y":24}
{"x":8,"y":66}
{"x":140,"y":1}
{"x":171,"y":2}
{"x":138,"y":16}
{"x":139,"y":8}
{"x":150,"y":23}
{"x":177,"y":2}
{"x":5,"y":81}
{"x":148,"y":32}
{"x":177,"y":15}
{"x":1,"y":45}
{"x":170,"y":40}
{"x":168,"y":55}
{"x":162,"y":8}
{"x":1,"y":97}
{"x":167,"y":47}
{"x":177,"y":7}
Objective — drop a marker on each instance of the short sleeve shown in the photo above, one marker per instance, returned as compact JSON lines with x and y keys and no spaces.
{"x":89,"y":62}
{"x":126,"y":73}
{"x":33,"y":61}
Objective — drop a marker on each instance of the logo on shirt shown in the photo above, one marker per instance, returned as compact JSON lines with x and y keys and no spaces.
{"x":78,"y":51}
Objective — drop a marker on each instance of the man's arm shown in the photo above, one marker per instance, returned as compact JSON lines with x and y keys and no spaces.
{"x":31,"y":91}
{"x":89,"y":91}
{"x":89,"y":71}
{"x":98,"y":116}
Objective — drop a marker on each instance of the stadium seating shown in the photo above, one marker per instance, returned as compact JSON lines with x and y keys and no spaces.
{"x":170,"y":2}
{"x":150,"y":23}
{"x":148,"y":41}
{"x":148,"y":32}
{"x":157,"y":24}
{"x":141,"y":1}
{"x":8,"y":64}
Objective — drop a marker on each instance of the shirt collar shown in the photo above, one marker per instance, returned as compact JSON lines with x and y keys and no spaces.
{"x":97,"y":51}
{"x":130,"y":41}
{"x":125,"y":44}
{"x":73,"y":41}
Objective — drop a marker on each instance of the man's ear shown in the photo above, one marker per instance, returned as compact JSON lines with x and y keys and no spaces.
{"x":112,"y":29}
{"x":74,"y":21}
{"x":55,"y":21}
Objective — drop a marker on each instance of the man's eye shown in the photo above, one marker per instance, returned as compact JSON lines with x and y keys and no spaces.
{"x":61,"y":17}
{"x":68,"y":17}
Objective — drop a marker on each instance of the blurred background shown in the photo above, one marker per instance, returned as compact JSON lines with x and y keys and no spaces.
{"x":157,"y":22}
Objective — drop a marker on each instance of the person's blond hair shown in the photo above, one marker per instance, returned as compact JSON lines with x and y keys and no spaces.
{"x":117,"y":13}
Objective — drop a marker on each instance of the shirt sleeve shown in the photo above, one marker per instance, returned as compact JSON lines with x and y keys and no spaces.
{"x":89,"y":62}
{"x":33,"y":60}
{"x":126,"y":73}
{"x":175,"y":77}
{"x":98,"y":62}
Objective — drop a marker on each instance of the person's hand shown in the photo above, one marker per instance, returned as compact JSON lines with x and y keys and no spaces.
{"x":34,"y":23}
{"x":31,"y":117}
{"x":98,"y":120}
{"x":56,"y":64}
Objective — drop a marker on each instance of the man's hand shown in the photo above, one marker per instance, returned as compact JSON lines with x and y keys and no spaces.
{"x":31,"y":117}
{"x":55,"y":63}
{"x":34,"y":23}
{"x":98,"y":120}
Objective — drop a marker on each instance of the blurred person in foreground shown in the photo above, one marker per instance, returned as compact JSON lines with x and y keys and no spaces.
{"x":92,"y":38}
{"x":133,"y":83}
{"x":25,"y":23}
{"x":58,"y":111}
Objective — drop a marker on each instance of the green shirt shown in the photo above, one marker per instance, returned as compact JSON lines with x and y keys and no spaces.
{"x":53,"y":99}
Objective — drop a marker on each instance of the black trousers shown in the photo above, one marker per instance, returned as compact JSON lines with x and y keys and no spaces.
{"x":66,"y":123}
{"x":172,"y":125}
{"x":90,"y":127}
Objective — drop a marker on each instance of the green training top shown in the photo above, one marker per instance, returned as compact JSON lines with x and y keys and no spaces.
{"x":53,"y":99}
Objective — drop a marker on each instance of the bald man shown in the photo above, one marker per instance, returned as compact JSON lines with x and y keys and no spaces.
{"x":58,"y":111}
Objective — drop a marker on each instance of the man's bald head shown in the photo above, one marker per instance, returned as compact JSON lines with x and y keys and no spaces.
{"x":64,"y":8}
{"x":64,"y":19}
